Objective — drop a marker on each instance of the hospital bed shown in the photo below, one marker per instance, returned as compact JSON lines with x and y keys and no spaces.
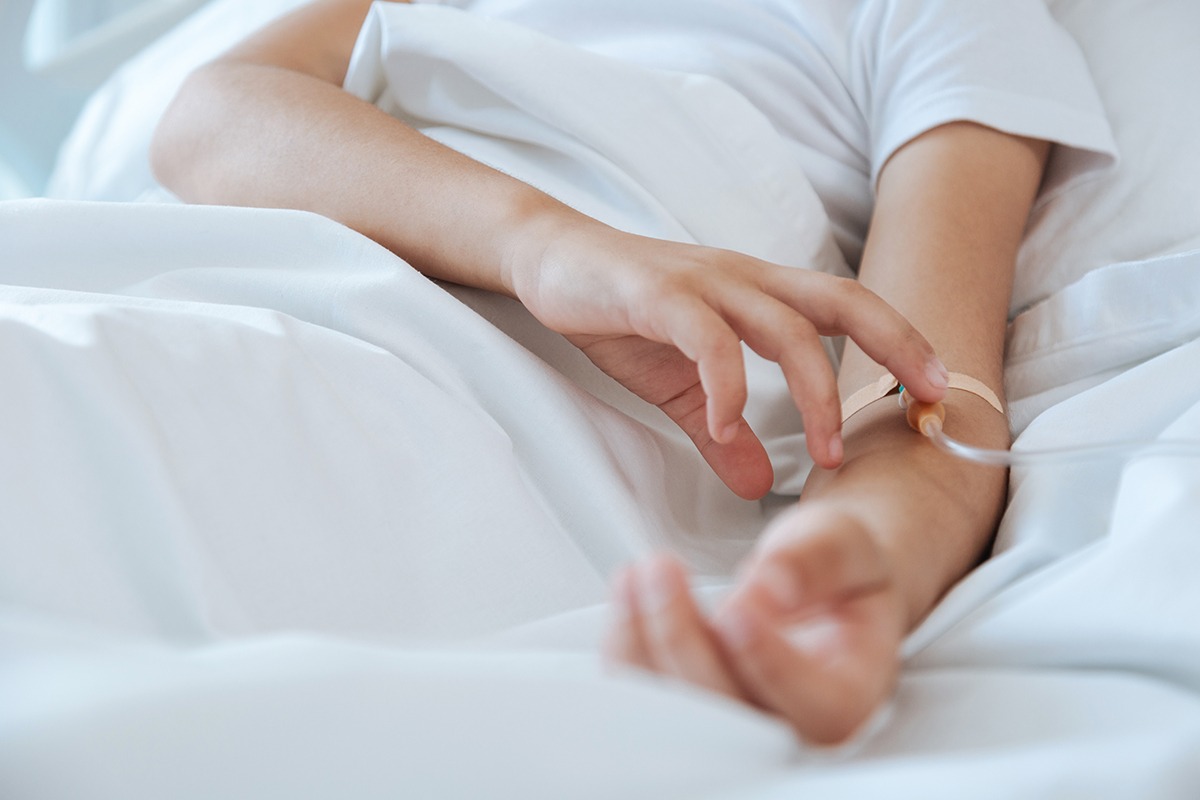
{"x":279,"y":517}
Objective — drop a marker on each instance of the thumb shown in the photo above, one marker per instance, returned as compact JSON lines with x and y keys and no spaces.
{"x":663,"y":376}
{"x":810,"y":557}
{"x":741,"y":463}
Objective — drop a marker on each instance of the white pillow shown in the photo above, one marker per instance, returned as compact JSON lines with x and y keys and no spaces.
{"x":1143,"y":54}
{"x":1145,"y":59}
{"x":80,"y":42}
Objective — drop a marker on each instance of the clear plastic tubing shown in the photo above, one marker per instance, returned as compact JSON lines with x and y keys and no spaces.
{"x":931,"y":427}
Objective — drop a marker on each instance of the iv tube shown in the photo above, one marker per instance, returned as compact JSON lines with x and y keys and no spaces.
{"x":927,"y":419}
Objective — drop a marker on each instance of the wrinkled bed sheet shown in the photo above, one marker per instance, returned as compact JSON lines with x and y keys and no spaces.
{"x":281,"y":517}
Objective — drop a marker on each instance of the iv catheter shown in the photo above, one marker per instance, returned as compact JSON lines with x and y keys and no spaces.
{"x":928,"y":418}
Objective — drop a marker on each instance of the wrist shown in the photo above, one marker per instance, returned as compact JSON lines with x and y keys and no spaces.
{"x":538,"y":227}
{"x":931,"y":515}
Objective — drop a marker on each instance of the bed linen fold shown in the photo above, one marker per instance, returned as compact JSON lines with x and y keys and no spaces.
{"x":227,"y":426}
{"x":254,"y":371}
{"x":268,"y":528}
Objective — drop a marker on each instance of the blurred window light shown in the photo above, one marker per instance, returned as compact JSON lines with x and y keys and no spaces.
{"x":17,"y":169}
{"x":80,"y":42}
{"x":11,"y":186}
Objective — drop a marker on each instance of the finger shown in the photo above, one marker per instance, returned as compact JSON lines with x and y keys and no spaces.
{"x":813,"y":556}
{"x":824,"y":683}
{"x":781,"y":334}
{"x":703,"y":336}
{"x":662,"y":375}
{"x":679,"y":640}
{"x":844,"y":306}
{"x":624,"y":643}
{"x":741,"y":463}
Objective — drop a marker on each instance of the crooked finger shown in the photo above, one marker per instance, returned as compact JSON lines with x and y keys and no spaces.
{"x":703,"y":335}
{"x":779,"y":333}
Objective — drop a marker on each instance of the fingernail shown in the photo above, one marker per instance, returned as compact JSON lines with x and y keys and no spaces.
{"x":728,"y":432}
{"x":837,"y":449}
{"x":937,"y":374}
{"x":657,"y":585}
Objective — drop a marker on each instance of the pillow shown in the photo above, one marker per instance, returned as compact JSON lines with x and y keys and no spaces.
{"x":1144,"y":58}
{"x":80,"y":43}
{"x":1142,"y":53}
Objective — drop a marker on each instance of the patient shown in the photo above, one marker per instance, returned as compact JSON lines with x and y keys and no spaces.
{"x":944,"y":174}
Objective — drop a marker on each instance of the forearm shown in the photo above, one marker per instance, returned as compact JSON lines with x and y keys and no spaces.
{"x":268,"y":125}
{"x":951,"y":209}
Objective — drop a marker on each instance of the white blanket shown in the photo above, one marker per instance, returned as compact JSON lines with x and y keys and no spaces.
{"x":252,"y":460}
{"x":281,"y":517}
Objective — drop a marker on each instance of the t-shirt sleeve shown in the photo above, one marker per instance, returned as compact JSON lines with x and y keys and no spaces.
{"x":1006,"y":64}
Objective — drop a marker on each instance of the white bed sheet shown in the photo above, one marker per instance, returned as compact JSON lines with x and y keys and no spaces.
{"x":230,"y":567}
{"x":284,"y":518}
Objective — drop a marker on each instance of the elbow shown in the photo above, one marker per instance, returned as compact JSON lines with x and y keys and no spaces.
{"x":163,"y":147}
{"x":169,"y":144}
{"x":177,"y":144}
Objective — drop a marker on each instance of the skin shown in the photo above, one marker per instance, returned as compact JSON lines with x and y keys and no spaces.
{"x":811,"y":630}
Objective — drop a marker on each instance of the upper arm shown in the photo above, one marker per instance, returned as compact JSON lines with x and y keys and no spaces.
{"x":316,"y":39}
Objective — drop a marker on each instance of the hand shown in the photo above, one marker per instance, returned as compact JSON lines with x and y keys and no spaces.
{"x":810,"y":632}
{"x":663,"y":376}
{"x":617,"y":295}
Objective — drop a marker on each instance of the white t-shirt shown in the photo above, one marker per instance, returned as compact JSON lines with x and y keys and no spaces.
{"x":850,"y":82}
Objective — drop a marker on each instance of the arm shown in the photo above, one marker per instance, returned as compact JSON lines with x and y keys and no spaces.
{"x":813,"y":627}
{"x":260,"y":127}
{"x":267,"y":124}
{"x":951,"y":210}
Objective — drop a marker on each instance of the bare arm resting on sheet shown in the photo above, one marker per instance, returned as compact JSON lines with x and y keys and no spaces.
{"x":813,"y":628}
{"x":268,"y":125}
